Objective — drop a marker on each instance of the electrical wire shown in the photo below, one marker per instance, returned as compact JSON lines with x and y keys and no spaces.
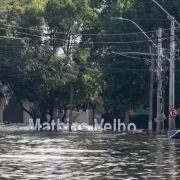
{"x":99,"y":42}
{"x":84,"y":34}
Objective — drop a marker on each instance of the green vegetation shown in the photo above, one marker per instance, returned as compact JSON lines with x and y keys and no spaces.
{"x":49,"y":45}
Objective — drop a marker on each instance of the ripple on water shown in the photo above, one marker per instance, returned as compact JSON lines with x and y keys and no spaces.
{"x":96,"y":156}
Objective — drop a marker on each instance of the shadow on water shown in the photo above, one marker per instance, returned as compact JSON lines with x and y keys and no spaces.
{"x":87,"y":155}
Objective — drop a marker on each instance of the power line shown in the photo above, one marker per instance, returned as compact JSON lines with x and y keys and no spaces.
{"x":85,"y":41}
{"x":83,"y":34}
{"x":98,"y":42}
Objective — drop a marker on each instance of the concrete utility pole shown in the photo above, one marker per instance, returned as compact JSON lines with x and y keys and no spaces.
{"x":71,"y":104}
{"x":159,"y":80}
{"x":150,"y":123}
{"x":172,"y":125}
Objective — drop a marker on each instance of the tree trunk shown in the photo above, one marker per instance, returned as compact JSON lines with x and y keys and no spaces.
{"x":24,"y":109}
{"x":64,"y":115}
{"x":93,"y":109}
{"x":51,"y":113}
{"x":43,"y":117}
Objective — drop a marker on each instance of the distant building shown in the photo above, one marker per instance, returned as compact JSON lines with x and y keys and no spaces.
{"x":11,"y":111}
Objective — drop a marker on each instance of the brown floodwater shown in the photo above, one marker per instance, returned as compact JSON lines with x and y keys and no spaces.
{"x":87,"y":156}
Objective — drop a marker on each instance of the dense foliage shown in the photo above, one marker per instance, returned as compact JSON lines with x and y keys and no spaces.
{"x":47,"y":46}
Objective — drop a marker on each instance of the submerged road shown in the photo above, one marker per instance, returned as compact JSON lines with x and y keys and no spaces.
{"x":88,"y":156}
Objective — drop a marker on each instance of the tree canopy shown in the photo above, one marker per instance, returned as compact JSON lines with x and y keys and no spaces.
{"x":47,"y":46}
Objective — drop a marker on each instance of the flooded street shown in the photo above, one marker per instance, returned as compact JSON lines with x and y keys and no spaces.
{"x":88,"y":156}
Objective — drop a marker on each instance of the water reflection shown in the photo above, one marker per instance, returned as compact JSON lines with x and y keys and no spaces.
{"x":172,"y":160}
{"x":87,"y":155}
{"x":160,"y":158}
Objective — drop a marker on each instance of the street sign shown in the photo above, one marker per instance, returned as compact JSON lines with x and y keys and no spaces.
{"x":160,"y":118}
{"x":173,"y":112}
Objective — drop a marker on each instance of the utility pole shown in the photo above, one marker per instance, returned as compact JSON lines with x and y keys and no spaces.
{"x":172,"y":125}
{"x":150,"y":123}
{"x":163,"y":105}
{"x":71,"y":104}
{"x":159,"y":81}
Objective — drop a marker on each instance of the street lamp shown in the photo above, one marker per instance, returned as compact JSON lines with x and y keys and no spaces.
{"x":169,"y":16}
{"x":158,"y":48}
{"x":125,"y":19}
{"x":155,"y":46}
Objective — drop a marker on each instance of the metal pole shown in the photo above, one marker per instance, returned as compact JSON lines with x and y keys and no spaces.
{"x":150,"y":123}
{"x":159,"y":80}
{"x":70,"y":109}
{"x":163,"y":106}
{"x":161,"y":71}
{"x":169,"y":16}
{"x":172,"y":125}
{"x":154,"y":45}
{"x":125,"y":19}
{"x":93,"y":108}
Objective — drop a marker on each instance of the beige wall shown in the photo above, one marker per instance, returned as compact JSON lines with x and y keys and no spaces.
{"x":79,"y":117}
